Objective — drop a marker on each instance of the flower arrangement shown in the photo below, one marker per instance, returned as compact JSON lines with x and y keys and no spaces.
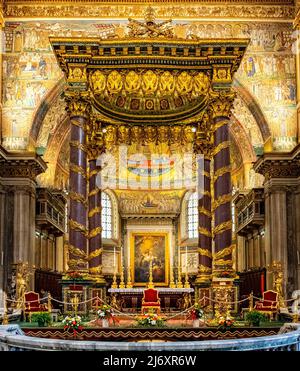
{"x":105,"y":311}
{"x":150,"y":320}
{"x":196,"y":312}
{"x":75,"y":276}
{"x":72,"y":323}
{"x":225,"y":323}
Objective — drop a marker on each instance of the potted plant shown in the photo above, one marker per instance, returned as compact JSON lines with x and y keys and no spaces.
{"x":42,"y":318}
{"x":254,"y":318}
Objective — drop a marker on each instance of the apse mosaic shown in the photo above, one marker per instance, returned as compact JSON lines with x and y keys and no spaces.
{"x":30,"y":73}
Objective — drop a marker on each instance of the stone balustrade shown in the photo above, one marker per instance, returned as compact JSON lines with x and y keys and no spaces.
{"x":13,"y":339}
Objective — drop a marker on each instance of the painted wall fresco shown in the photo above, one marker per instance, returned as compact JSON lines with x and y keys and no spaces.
{"x":30,"y":72}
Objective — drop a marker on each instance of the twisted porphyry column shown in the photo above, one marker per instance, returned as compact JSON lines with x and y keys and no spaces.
{"x":79,"y":110}
{"x":203,"y":151}
{"x":220,"y":111}
{"x":94,"y":217}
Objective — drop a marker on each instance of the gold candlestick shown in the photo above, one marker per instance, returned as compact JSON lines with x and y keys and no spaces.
{"x":186,"y":278}
{"x":179,"y":282}
{"x":122,"y":283}
{"x":150,"y":284}
{"x":114,"y":283}
{"x":186,"y":281}
{"x":172,"y":283}
{"x":129,"y":283}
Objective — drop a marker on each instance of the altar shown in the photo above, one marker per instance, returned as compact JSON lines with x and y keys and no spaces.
{"x":130,"y":299}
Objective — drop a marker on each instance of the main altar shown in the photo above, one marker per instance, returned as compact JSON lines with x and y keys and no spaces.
{"x":144,"y":93}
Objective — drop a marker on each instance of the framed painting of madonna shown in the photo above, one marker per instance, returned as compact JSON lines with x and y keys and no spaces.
{"x":146,"y":248}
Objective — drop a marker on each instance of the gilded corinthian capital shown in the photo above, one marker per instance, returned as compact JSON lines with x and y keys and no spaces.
{"x":220,"y":103}
{"x":78,"y":103}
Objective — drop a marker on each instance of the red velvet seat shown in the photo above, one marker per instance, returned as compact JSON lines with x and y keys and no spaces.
{"x":32,"y":303}
{"x":269,"y":303}
{"x":151,"y":300}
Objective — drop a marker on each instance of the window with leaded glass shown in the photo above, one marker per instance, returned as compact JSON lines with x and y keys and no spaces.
{"x":106,"y":216}
{"x":192,"y":216}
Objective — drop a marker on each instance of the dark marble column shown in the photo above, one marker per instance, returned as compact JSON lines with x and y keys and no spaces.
{"x":205,"y":236}
{"x":204,"y":207}
{"x":78,"y":189}
{"x":222,"y":195}
{"x":94,"y":216}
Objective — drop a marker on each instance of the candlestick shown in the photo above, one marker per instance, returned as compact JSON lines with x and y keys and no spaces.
{"x":114,"y":284}
{"x":179,"y":282}
{"x":114,"y":258}
{"x":150,"y":284}
{"x":129,"y":283}
{"x":186,"y":280}
{"x":172,"y":283}
{"x":122,"y":283}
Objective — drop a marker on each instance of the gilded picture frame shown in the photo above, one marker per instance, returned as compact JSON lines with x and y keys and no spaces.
{"x":142,"y":245}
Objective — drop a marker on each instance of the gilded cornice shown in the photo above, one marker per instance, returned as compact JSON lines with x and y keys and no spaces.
{"x":279,"y":165}
{"x":20,"y":165}
{"x":127,"y":66}
{"x":251,"y":10}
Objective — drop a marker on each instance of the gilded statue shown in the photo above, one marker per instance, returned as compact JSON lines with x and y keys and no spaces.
{"x":77,"y":74}
{"x":132,"y":82}
{"x":184,"y":83}
{"x":150,"y":82}
{"x":22,"y":277}
{"x":98,"y":81}
{"x":150,"y":134}
{"x":110,"y":137}
{"x":278,"y":278}
{"x":114,"y":82}
{"x":136,"y":134}
{"x":176,"y":133}
{"x":201,"y":84}
{"x":167,"y":83}
{"x":163,"y":134}
{"x":278,"y":287}
{"x":123,"y":135}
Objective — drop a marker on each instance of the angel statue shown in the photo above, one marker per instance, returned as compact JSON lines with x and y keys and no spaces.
{"x":22,"y":283}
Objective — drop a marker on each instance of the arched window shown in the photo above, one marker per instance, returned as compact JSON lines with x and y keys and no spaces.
{"x":106,"y":216}
{"x":192,"y":216}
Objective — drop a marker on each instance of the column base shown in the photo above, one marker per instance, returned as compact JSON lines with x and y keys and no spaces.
{"x":225,"y":295}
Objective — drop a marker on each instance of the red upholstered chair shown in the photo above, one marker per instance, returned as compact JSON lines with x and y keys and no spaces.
{"x":269,"y":303}
{"x":32,"y":303}
{"x":151,"y":300}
